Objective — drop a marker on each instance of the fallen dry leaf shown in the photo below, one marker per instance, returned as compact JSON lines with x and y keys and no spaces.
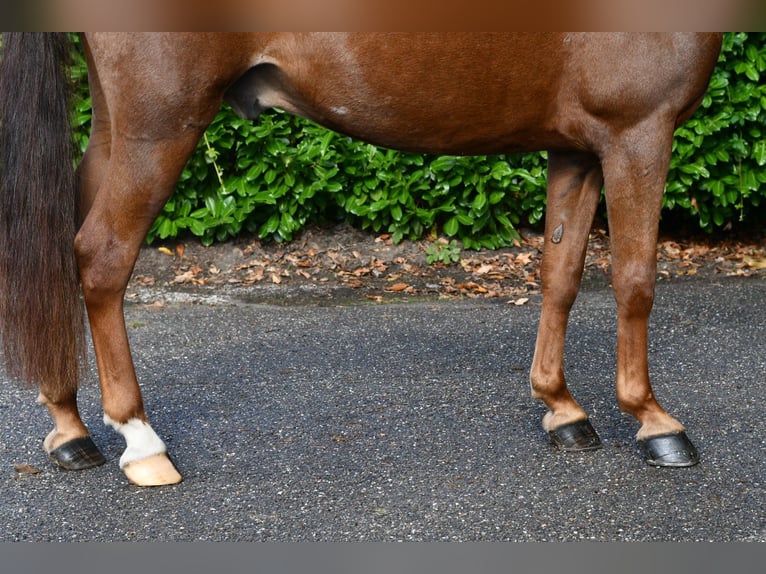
{"x":26,"y":469}
{"x":251,"y":264}
{"x":186,"y":277}
{"x":483,"y":269}
{"x":254,"y":275}
{"x":671,"y":248}
{"x":472,"y":286}
{"x":754,"y":262}
{"x":145,"y":280}
{"x":396,"y":287}
{"x":523,"y":258}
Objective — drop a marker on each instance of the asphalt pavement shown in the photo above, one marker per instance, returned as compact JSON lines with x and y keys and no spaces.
{"x":350,"y":420}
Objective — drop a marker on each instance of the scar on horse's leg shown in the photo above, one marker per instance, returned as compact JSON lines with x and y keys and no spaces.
{"x":107,"y":246}
{"x":574,"y":187}
{"x":634,"y":187}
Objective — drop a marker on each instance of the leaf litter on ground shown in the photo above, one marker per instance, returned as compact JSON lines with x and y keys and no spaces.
{"x":379,"y":269}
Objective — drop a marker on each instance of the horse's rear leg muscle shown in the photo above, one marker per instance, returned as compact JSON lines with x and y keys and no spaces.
{"x":635,"y":172}
{"x":140,"y":178}
{"x":574,"y":187}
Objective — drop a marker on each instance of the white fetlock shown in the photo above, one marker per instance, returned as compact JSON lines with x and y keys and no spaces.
{"x":145,"y":461}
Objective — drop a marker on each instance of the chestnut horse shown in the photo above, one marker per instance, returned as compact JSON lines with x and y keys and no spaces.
{"x":604,"y":106}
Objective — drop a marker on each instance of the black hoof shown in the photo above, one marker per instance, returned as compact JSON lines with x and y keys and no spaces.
{"x":576,"y":436}
{"x":77,"y":454}
{"x":674,"y":450}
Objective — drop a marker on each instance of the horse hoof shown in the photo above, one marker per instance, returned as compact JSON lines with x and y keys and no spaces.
{"x":77,"y":454}
{"x":673,"y":450}
{"x":576,"y":436}
{"x":155,"y":470}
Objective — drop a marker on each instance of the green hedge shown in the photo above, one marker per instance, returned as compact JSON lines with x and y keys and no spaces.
{"x":717,"y":170}
{"x":280,"y":173}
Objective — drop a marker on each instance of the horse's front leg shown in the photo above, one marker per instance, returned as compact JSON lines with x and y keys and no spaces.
{"x":635,"y":172}
{"x":574,"y":188}
{"x":139,"y":179}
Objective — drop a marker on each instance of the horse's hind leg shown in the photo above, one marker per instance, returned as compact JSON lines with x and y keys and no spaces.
{"x":69,"y":443}
{"x":635,"y":170}
{"x":140,"y":177}
{"x":574,"y":188}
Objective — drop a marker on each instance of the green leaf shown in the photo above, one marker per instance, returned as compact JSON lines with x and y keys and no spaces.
{"x":451,"y":226}
{"x":270,"y":227}
{"x":759,"y":152}
{"x":479,"y":202}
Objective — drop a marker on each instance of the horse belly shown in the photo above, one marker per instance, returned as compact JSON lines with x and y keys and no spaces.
{"x":438,"y":93}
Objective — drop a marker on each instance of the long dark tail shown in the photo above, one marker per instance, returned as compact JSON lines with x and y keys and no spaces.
{"x":41,"y":314}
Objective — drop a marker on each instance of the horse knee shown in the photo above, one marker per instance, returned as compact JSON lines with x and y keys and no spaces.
{"x":634,"y":293}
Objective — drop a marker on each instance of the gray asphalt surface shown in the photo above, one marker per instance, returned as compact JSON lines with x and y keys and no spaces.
{"x":409,"y":421}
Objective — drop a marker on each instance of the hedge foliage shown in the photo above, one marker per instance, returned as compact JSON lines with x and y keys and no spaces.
{"x":274,"y":176}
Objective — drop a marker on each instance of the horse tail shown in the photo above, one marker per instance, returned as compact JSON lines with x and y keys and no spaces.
{"x":41,"y":312}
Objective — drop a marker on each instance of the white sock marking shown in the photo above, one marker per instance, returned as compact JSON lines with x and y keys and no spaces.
{"x":141,"y":439}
